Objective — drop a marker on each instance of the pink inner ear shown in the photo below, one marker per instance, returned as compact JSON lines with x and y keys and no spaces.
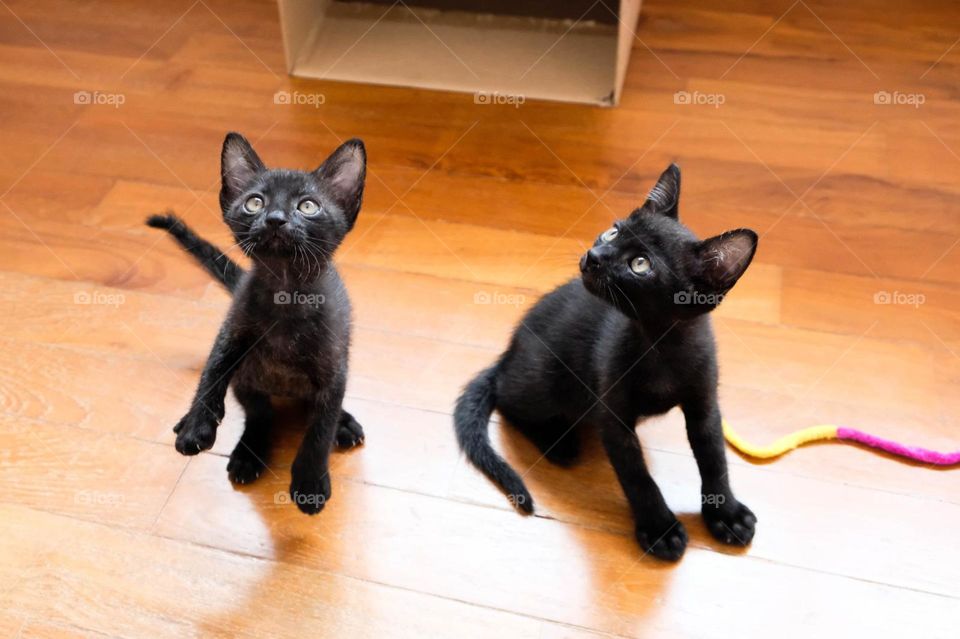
{"x":238,"y":174}
{"x":348,"y":174}
{"x":240,"y":164}
{"x":737,"y":249}
{"x":346,"y":177}
{"x":726,"y":257}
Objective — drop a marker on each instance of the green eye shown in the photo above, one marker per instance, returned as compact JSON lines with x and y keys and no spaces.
{"x":609,"y":234}
{"x":253,"y":204}
{"x":640,"y":265}
{"x":309,"y":208}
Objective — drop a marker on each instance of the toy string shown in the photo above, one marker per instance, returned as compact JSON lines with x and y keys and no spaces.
{"x":828,"y":432}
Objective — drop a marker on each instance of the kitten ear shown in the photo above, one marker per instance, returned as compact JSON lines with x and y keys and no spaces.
{"x":664,"y":197}
{"x":239,"y":164}
{"x":724,"y":258}
{"x":343,"y":175}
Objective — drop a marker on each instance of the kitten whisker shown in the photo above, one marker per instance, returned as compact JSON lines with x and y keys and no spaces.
{"x":310,"y":251}
{"x":223,"y":254}
{"x":635,"y":313}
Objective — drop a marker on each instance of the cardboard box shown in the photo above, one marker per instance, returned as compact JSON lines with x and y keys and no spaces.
{"x":574,"y":51}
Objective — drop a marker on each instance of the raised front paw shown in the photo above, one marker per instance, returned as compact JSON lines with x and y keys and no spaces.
{"x":310,"y":490}
{"x":195,"y":433}
{"x":664,"y":537}
{"x":729,"y":521}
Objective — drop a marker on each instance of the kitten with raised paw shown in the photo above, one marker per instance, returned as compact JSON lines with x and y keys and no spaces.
{"x":629,"y":339}
{"x":287,"y":333}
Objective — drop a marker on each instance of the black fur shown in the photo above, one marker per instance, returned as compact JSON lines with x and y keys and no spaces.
{"x":613,"y":347}
{"x":288,"y":330}
{"x":470,"y":418}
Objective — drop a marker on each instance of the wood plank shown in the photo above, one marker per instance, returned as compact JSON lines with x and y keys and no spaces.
{"x":132,"y":584}
{"x":468,"y":204}
{"x":81,"y":473}
{"x":544,"y":559}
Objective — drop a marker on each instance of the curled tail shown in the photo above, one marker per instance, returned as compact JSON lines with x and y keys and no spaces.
{"x":221,"y":267}
{"x":471,"y":417}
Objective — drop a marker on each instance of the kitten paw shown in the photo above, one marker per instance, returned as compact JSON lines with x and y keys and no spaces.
{"x":664,"y":540}
{"x":244,"y":466}
{"x":194,"y":434}
{"x":730,"y":522}
{"x":349,"y":432}
{"x":310,"y":492}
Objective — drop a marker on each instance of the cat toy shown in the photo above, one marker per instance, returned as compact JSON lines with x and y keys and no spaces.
{"x":827,"y":432}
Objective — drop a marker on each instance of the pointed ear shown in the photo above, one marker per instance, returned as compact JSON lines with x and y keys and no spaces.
{"x":239,"y":164}
{"x":724,"y":258}
{"x":664,"y":197}
{"x":343,"y":175}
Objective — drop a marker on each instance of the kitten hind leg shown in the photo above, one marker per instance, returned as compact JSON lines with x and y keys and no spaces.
{"x":310,"y":486}
{"x":248,"y":459}
{"x":556,"y":438}
{"x":349,"y":431}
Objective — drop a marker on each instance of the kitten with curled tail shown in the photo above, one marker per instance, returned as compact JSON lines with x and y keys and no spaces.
{"x":287,"y":333}
{"x":629,"y":339}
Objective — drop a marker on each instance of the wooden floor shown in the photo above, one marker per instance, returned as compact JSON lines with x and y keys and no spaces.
{"x":106,"y":531}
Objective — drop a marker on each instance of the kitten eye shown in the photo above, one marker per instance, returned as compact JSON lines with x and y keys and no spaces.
{"x":253,"y":204}
{"x":609,"y":234}
{"x":640,"y":265}
{"x":309,"y":208}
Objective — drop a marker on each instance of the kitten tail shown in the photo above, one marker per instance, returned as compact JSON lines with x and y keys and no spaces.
{"x":471,"y":418}
{"x":221,"y":267}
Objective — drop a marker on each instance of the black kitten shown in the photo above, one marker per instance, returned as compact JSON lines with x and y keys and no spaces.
{"x":287,"y":333}
{"x":630,"y":338}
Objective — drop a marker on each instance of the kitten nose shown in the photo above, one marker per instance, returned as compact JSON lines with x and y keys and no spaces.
{"x":275,"y":219}
{"x":590,"y":261}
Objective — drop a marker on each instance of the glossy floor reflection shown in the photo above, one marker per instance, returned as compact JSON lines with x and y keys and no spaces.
{"x":471,"y":212}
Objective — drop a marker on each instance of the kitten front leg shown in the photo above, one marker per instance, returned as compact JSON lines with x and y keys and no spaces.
{"x":248,"y":458}
{"x":197,"y":430}
{"x":657,"y":529}
{"x":727,"y":519}
{"x":310,"y":474}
